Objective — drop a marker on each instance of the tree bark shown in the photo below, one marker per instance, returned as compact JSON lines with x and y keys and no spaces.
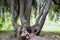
{"x":28,"y":10}
{"x":25,"y":17}
{"x":17,"y":28}
{"x":38,"y":28}
{"x":23,"y":21}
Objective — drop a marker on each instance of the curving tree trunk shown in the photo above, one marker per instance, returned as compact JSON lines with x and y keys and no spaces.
{"x":25,"y":31}
{"x":24,"y":8}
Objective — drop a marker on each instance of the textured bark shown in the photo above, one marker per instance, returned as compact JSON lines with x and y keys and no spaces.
{"x":25,"y":15}
{"x":23,"y":20}
{"x":40,"y":13}
{"x":38,"y":28}
{"x":13,"y":13}
{"x":39,"y":16}
{"x":24,"y":32}
{"x":14,"y":19}
{"x":28,"y":10}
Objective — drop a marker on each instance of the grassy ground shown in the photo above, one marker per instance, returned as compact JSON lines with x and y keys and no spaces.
{"x":51,"y":26}
{"x":50,"y":31}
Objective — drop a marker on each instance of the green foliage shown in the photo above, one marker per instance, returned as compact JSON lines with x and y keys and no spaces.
{"x":0,"y":25}
{"x":54,"y":12}
{"x":4,"y":4}
{"x":7,"y":25}
{"x":42,"y":33}
{"x":51,"y":26}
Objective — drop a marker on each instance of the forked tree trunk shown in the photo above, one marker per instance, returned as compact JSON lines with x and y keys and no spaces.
{"x":25,"y":31}
{"x":22,"y":33}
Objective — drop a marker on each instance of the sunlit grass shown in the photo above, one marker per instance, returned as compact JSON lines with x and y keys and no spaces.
{"x":49,"y":26}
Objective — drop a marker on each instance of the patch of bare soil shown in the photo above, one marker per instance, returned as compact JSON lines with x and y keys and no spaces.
{"x":47,"y":36}
{"x":51,"y":36}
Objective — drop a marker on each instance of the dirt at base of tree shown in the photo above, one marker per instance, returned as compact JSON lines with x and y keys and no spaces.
{"x":46,"y":36}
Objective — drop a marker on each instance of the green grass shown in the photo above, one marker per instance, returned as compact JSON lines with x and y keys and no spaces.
{"x":51,"y":26}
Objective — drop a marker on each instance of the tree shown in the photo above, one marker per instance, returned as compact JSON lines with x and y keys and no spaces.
{"x":24,"y":7}
{"x":24,"y":10}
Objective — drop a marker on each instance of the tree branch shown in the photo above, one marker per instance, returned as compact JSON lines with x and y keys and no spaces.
{"x":45,"y":12}
{"x":13,"y":13}
{"x":27,"y":14}
{"x":39,"y":16}
{"x":23,"y":21}
{"x":28,"y":10}
{"x":40,"y":13}
{"x":14,"y":16}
